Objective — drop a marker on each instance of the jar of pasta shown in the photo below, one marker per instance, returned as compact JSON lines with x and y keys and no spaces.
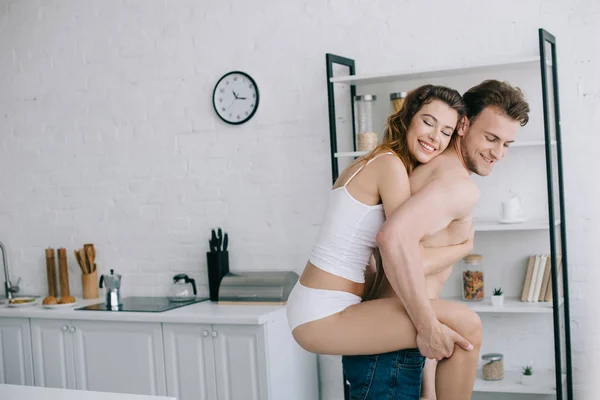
{"x":472,"y":278}
{"x":493,"y":369}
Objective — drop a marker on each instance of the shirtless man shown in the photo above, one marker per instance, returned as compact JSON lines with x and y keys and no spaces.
{"x":438,"y":214}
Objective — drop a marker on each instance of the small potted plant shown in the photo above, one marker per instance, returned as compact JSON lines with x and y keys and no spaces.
{"x":498,"y":297}
{"x":527,"y":375}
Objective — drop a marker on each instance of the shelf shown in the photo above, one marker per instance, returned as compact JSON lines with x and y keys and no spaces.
{"x":490,"y":226}
{"x":512,"y":305}
{"x":532,"y":143}
{"x":350,"y":154}
{"x":516,"y":144}
{"x":435,"y":73}
{"x":543,"y":383}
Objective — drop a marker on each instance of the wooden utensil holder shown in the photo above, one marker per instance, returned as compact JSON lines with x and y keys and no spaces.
{"x":89,"y":285}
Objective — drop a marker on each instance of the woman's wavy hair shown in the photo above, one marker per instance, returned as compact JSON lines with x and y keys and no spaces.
{"x":395,"y":133}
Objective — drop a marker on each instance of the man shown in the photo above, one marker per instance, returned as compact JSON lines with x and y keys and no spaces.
{"x":441,"y":206}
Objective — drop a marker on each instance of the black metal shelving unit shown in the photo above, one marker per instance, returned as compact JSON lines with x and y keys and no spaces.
{"x":551,"y":111}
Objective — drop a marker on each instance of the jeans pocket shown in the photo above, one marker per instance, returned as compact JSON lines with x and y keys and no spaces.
{"x":409,"y":376}
{"x":359,"y":371}
{"x":412,"y":360}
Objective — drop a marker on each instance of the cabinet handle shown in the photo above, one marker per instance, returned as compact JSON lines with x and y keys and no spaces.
{"x":205,"y":333}
{"x":214,"y":333}
{"x":64,"y":328}
{"x":71,"y":329}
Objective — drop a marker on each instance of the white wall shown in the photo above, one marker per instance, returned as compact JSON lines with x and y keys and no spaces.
{"x":107,"y":133}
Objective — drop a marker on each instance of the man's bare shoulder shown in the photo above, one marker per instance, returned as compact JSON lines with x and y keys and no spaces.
{"x":455,"y":190}
{"x":458,"y":184}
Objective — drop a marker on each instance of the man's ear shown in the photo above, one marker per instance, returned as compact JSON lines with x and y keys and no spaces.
{"x":463,"y":126}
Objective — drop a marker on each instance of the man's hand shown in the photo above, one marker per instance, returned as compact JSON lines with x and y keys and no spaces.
{"x":438,"y":342}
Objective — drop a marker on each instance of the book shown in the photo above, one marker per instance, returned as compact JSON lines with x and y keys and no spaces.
{"x":539,"y":279}
{"x":549,"y":291}
{"x":536,"y":269}
{"x":546,"y":278}
{"x":528,"y":275}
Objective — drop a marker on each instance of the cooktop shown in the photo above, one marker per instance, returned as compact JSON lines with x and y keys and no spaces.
{"x":143,"y":304}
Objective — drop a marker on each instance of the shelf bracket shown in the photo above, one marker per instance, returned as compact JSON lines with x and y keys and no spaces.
{"x":330,"y":60}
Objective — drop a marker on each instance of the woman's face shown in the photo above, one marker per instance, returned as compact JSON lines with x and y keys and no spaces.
{"x":430,"y":130}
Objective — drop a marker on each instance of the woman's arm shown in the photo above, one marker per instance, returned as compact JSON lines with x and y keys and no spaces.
{"x":435,"y":259}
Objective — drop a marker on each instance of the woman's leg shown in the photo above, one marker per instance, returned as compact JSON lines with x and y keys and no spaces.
{"x":382,"y":325}
{"x":447,"y":378}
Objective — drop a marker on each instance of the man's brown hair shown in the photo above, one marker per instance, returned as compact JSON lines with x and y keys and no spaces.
{"x":499,"y":95}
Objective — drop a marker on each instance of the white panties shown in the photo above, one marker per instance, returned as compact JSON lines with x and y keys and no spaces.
{"x":306,"y":304}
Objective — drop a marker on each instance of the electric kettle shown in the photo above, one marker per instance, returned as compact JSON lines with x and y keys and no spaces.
{"x":112,"y":282}
{"x":182,"y":289}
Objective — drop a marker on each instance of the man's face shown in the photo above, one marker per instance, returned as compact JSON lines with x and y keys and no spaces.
{"x":487,"y":139}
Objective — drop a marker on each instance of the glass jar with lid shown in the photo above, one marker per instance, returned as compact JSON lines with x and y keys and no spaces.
{"x":493,"y":369}
{"x":366,"y":138}
{"x":397,"y":100}
{"x":472,"y":278}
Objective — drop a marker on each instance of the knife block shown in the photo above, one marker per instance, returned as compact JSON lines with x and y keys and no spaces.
{"x":217,"y":264}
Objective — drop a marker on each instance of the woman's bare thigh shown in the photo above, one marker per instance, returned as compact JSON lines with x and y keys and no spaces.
{"x":377,"y":326}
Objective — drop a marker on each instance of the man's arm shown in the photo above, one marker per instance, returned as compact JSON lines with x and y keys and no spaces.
{"x":436,"y":259}
{"x":428,"y":211}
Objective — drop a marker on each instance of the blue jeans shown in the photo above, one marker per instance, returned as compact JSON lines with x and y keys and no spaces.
{"x":389,"y":376}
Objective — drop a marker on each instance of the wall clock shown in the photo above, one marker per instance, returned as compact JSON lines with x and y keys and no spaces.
{"x":235,"y":97}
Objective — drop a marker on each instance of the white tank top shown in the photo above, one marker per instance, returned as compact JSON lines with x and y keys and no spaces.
{"x":347,"y":237}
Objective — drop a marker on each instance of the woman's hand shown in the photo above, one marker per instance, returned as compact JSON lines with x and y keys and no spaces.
{"x":468,"y":244}
{"x":436,"y":259}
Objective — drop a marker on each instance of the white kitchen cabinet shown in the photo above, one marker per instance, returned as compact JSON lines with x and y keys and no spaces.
{"x":241,"y":362}
{"x":209,"y":362}
{"x":122,"y":357}
{"x":189,"y":361}
{"x":204,"y":351}
{"x":16,"y":365}
{"x":52,"y":348}
{"x":237,"y":362}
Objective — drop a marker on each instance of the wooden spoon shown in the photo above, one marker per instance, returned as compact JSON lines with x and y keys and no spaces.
{"x":79,"y":261}
{"x":83,"y":261}
{"x":90,"y":258}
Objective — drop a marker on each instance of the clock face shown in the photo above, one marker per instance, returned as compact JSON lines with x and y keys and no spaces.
{"x":235,"y":97}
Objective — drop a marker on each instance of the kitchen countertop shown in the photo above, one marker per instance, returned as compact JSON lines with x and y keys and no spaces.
{"x":205,"y":312}
{"x":18,"y":392}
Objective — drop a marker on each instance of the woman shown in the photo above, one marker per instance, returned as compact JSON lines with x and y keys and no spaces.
{"x":324,"y":310}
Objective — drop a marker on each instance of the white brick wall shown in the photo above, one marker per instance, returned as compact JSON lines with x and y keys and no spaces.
{"x":107,"y":133}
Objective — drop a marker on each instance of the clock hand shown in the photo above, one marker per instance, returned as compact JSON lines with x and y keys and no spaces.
{"x":241,"y":98}
{"x":231,"y":104}
{"x":234,"y":94}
